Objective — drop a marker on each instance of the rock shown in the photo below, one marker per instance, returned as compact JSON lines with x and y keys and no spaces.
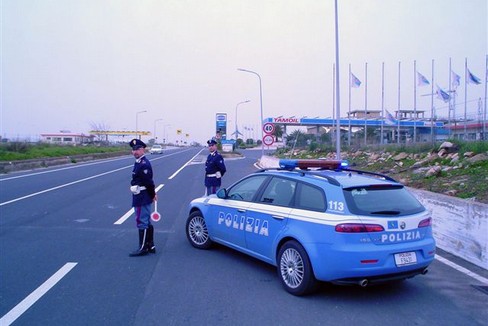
{"x":433,"y":171}
{"x":451,"y":192}
{"x":449,"y":147}
{"x":477,"y":158}
{"x":400,"y":156}
{"x":454,"y":159}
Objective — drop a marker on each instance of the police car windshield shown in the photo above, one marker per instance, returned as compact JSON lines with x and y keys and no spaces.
{"x":390,"y":200}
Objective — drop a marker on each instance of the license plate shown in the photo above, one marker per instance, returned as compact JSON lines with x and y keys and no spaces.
{"x":405,"y":258}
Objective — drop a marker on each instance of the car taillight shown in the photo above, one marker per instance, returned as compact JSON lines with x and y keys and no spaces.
{"x":358,"y":228}
{"x":426,"y":222}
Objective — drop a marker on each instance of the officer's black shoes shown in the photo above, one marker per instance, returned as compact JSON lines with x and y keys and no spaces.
{"x":143,"y":244}
{"x":141,"y":252}
{"x":150,"y":240}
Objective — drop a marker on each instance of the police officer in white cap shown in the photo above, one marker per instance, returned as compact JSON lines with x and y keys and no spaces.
{"x":214,"y":168}
{"x":143,"y":194}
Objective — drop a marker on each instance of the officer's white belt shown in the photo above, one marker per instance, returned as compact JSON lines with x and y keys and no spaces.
{"x":142,"y":188}
{"x":212,"y":175}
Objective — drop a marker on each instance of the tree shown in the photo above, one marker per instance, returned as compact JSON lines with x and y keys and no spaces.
{"x":278,"y":132}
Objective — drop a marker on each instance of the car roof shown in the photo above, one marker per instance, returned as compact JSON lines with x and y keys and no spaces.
{"x":338,"y":175}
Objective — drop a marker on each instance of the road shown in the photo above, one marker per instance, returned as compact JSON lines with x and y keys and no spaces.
{"x":66,"y":232}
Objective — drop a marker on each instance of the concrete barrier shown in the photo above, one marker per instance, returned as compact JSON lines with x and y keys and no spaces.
{"x":460,"y":226}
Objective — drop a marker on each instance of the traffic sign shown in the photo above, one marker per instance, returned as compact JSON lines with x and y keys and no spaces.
{"x":268,"y":128}
{"x":268,"y":140}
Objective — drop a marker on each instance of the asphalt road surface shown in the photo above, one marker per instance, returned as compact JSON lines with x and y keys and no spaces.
{"x":66,"y":232}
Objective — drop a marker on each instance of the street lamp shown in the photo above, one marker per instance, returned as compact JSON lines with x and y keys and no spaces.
{"x":164,"y":132}
{"x":155,"y":121}
{"x":137,"y":130}
{"x":237,"y":130}
{"x":261,"y":103}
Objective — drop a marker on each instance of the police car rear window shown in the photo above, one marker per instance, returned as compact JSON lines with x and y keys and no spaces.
{"x":382,"y":200}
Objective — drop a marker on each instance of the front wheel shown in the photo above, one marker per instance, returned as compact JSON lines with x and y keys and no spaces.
{"x":197,"y":232}
{"x":295,"y":270}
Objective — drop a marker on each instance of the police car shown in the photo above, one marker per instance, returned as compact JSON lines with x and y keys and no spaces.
{"x":319,"y":220}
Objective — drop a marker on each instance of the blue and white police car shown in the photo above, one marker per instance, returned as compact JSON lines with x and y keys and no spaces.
{"x":319,"y":220}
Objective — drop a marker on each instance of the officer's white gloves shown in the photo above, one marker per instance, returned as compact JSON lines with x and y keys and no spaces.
{"x":218,"y":174}
{"x":135,"y":190}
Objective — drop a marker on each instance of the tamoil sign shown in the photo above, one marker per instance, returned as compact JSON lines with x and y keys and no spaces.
{"x":221,"y":125}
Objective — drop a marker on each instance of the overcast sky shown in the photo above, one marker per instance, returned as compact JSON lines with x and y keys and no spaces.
{"x":71,"y":64}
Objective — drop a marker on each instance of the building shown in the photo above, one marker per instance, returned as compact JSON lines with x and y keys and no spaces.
{"x":66,"y":138}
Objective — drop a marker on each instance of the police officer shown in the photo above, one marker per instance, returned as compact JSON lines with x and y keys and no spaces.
{"x":143,"y":194}
{"x":214,"y":168}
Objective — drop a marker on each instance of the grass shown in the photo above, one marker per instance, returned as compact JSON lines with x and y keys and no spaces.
{"x":16,"y":151}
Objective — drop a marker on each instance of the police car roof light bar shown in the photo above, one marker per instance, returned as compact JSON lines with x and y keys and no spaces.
{"x":303,"y":164}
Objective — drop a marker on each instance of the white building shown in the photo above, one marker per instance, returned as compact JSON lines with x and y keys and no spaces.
{"x":67,"y":138}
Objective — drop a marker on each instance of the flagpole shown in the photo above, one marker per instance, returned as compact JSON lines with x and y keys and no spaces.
{"x":383,"y":98}
{"x":450,"y":98}
{"x":432,"y":107}
{"x":465,"y":96}
{"x":338,"y":100}
{"x":349,"y":129}
{"x":365,"y":104}
{"x":333,"y":99}
{"x":415,"y":100}
{"x":484,"y":113}
{"x":398,"y":111}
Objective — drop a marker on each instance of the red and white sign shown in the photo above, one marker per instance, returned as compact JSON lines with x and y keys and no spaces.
{"x":268,"y":128}
{"x":268,"y":140}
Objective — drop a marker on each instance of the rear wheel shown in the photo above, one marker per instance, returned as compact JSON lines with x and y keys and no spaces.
{"x":197,"y":232}
{"x":295,"y":270}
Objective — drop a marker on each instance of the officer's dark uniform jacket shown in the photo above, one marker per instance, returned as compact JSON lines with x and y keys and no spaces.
{"x":142,"y":175}
{"x":214,"y":164}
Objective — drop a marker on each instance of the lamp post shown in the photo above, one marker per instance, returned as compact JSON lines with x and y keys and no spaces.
{"x":237,"y":130}
{"x":137,"y":130}
{"x":261,"y":104}
{"x":155,"y":121}
{"x":164,"y":132}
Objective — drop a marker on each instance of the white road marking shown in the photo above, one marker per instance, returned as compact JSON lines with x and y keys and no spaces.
{"x":462,"y":269}
{"x":61,"y":186}
{"x":61,"y":169}
{"x":71,"y":183}
{"x":184,"y":165}
{"x":25,"y":304}
{"x":131,"y":211}
{"x":84,"y":165}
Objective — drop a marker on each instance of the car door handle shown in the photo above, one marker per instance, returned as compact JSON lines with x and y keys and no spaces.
{"x":241,"y":210}
{"x":278,"y":217}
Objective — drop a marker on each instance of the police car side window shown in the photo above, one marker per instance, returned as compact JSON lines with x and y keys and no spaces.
{"x":246,"y":189}
{"x":310,"y":198}
{"x":279,"y":191}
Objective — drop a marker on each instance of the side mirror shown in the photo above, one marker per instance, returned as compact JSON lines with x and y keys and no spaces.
{"x":222,"y":193}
